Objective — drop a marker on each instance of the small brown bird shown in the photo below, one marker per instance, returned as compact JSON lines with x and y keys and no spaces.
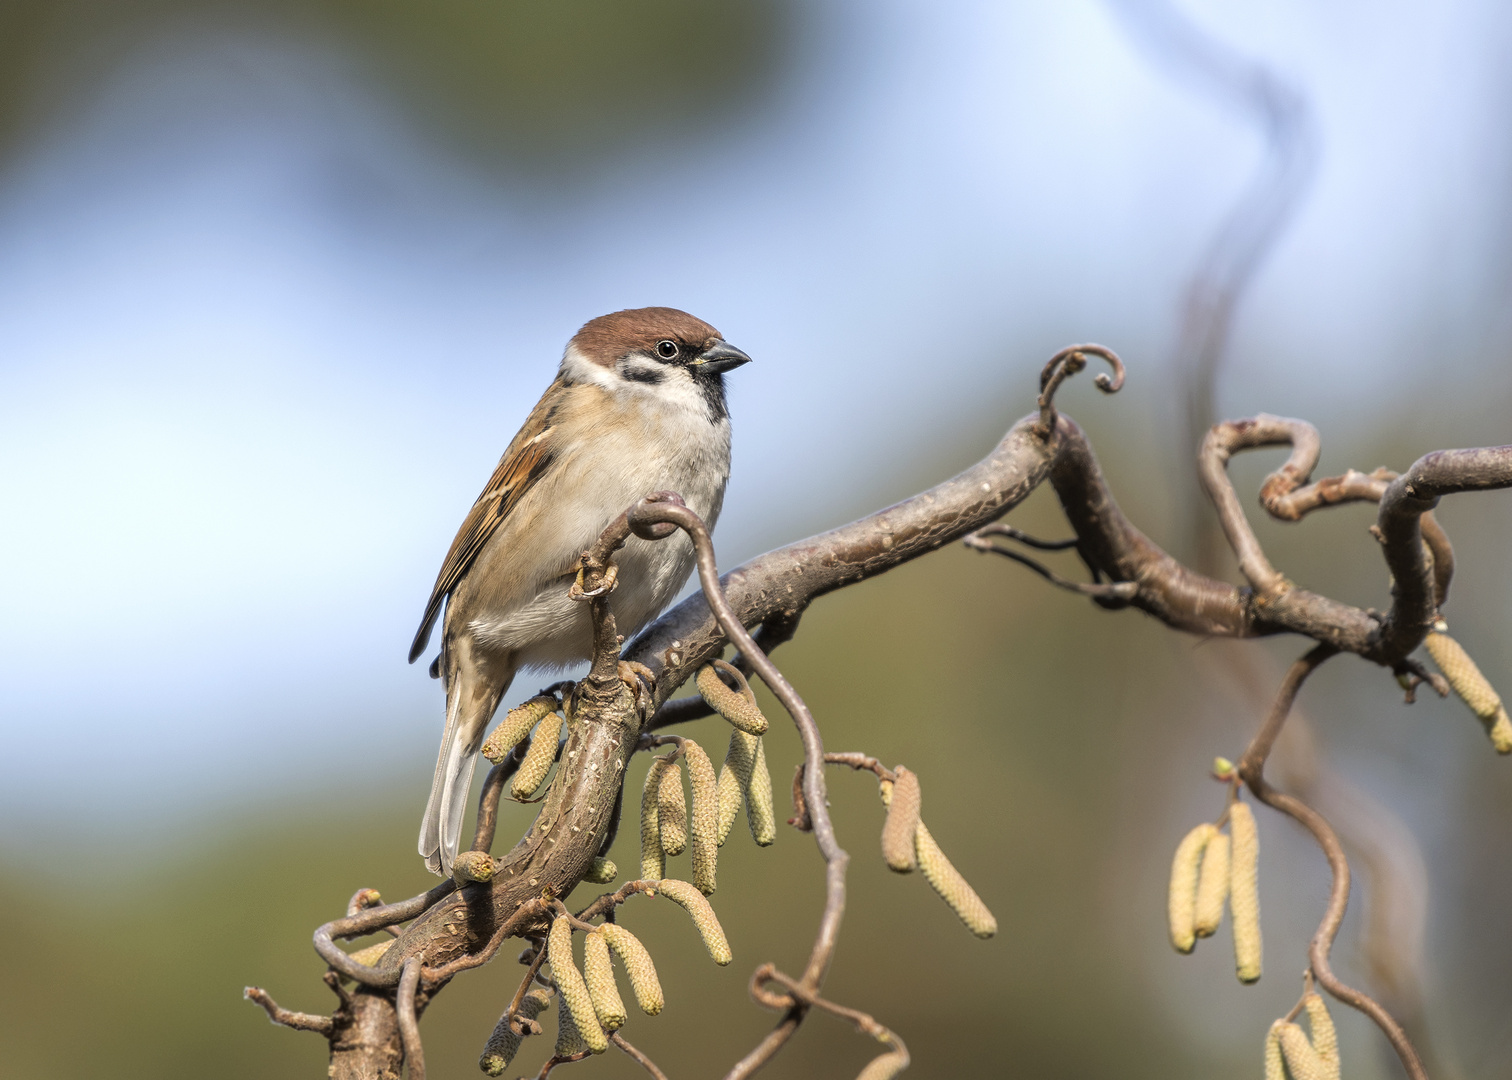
{"x":638,"y":406}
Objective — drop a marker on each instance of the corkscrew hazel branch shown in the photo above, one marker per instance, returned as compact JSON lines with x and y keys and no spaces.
{"x":409,"y":1026}
{"x":1062,"y":366}
{"x":1251,"y":769}
{"x":794,"y":993}
{"x":645,"y":519}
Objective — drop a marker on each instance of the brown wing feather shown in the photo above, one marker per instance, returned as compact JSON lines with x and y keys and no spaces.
{"x":519,"y":468}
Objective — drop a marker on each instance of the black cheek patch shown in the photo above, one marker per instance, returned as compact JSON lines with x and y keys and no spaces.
{"x":643,"y":375}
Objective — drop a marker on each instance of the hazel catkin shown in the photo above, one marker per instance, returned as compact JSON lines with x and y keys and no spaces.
{"x":1473,"y":688}
{"x":1325,"y":1039}
{"x":504,"y":1044}
{"x":736,"y":707}
{"x":672,"y":810}
{"x":1275,"y":1068}
{"x":1181,"y":900}
{"x":730,"y":794}
{"x":952,"y":887}
{"x":884,"y":1066}
{"x":598,"y":973}
{"x":601,"y":871}
{"x":746,"y":762}
{"x":692,"y":901}
{"x":638,"y":966}
{"x":1302,"y":1061}
{"x":576,"y":999}
{"x":1244,"y":891}
{"x":472,"y":866}
{"x":902,"y":822}
{"x":1212,"y":886}
{"x":515,"y":726}
{"x":538,"y":759}
{"x":703,"y":829}
{"x":653,"y":858}
{"x":759,"y":812}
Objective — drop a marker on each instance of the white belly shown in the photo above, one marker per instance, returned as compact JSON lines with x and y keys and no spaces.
{"x":514,"y":600}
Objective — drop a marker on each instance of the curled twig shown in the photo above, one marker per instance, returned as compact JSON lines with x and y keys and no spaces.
{"x":1062,"y":366}
{"x":369,"y":921}
{"x":1252,"y":770}
{"x":409,"y":1027}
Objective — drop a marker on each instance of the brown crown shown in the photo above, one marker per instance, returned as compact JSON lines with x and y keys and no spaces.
{"x":607,"y":338}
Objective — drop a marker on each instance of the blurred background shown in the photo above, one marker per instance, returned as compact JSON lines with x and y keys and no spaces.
{"x":279,"y":281}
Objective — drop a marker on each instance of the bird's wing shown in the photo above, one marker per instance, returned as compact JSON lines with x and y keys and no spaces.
{"x":521,"y":466}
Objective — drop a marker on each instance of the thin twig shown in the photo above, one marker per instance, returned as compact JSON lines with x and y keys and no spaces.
{"x":299,"y":1021}
{"x":526,"y":913}
{"x":512,"y":1014}
{"x":636,"y":1056}
{"x":1252,"y":771}
{"x":553,"y":1061}
{"x":998,"y":528}
{"x":409,"y":1027}
{"x":1118,"y":591}
{"x":644,"y":518}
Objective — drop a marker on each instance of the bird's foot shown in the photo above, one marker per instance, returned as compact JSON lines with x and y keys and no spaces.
{"x":638,"y":677}
{"x":607,"y":584}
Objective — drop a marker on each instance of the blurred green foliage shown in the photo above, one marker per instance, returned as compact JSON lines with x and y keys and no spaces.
{"x":527,"y":85}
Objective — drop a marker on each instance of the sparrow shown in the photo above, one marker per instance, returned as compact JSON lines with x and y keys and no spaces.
{"x":638,"y":406}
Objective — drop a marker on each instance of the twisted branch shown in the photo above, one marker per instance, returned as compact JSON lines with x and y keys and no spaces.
{"x":1252,"y":771}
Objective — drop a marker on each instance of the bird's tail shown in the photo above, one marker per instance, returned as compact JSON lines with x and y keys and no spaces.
{"x":469,"y":707}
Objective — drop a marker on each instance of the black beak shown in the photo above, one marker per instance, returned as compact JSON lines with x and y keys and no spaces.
{"x":719,"y":358}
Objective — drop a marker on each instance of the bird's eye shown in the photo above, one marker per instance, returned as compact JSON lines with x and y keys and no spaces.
{"x":666,"y":349}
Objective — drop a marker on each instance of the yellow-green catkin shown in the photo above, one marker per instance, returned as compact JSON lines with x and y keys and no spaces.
{"x":570,"y":985}
{"x":703,"y":829}
{"x":1212,"y":886}
{"x":672,"y":810}
{"x":1244,"y":891}
{"x":738,"y":708}
{"x":638,"y":966}
{"x":601,"y":871}
{"x":515,"y":726}
{"x":884,"y":1067}
{"x":746,"y":762}
{"x":1275,"y":1069}
{"x":730,"y":791}
{"x":504,"y":1044}
{"x":543,"y":750}
{"x":902,"y":822}
{"x":472,"y":866}
{"x":653,"y":859}
{"x":1472,"y":687}
{"x":598,"y":973}
{"x":1325,"y":1039}
{"x":1302,"y":1061}
{"x":692,"y":901}
{"x":759,"y":812}
{"x":954,"y":889}
{"x":1181,"y":901}
{"x":570,"y":1040}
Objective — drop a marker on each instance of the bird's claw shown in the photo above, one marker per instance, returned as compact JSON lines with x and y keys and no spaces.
{"x":607,"y":584}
